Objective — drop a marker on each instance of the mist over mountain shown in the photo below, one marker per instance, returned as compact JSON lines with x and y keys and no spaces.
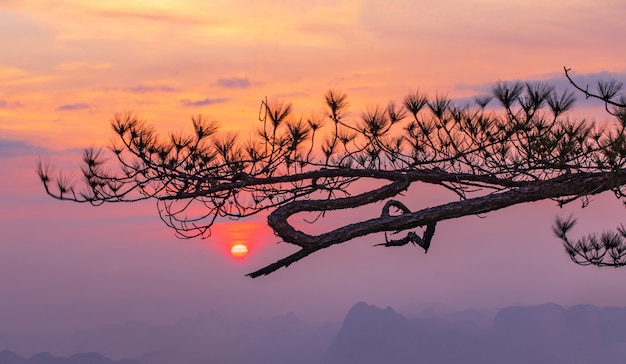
{"x":547,"y":333}
{"x":373,"y":335}
{"x":7,"y":357}
{"x":208,"y":337}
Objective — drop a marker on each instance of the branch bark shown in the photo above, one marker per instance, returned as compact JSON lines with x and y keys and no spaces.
{"x":578,"y":184}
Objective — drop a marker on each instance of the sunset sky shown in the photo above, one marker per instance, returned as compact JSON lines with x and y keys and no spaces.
{"x":66,"y":67}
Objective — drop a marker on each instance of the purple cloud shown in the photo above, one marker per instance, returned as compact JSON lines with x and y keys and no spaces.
{"x":142,"y":89}
{"x":203,"y":102}
{"x":71,"y":107}
{"x":16,"y":148}
{"x":10,"y":104}
{"x":558,"y":80}
{"x":234,"y":82}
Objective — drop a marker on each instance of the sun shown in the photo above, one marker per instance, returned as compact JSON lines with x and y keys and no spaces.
{"x":239,"y":251}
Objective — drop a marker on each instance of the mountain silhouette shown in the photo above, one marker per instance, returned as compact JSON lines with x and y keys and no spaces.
{"x":213,"y":338}
{"x":7,"y":357}
{"x":546,"y":333}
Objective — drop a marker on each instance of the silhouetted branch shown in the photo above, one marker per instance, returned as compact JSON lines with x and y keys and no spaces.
{"x":608,"y":249}
{"x":335,"y":161}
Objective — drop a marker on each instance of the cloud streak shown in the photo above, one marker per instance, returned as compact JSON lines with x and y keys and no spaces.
{"x":234,"y":82}
{"x":4,"y":104}
{"x":185,"y":19}
{"x":16,"y":148}
{"x":73,"y":107}
{"x":203,"y":102}
{"x":144,"y":89}
{"x":558,"y":81}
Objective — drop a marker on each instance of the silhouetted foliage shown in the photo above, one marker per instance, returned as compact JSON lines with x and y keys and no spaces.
{"x":294,"y":165}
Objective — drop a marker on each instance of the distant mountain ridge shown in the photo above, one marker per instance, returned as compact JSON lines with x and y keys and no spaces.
{"x":8,"y":357}
{"x":546,"y":333}
{"x":207,"y":338}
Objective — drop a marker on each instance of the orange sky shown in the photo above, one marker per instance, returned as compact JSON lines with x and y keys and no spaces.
{"x":66,"y":66}
{"x":72,"y":64}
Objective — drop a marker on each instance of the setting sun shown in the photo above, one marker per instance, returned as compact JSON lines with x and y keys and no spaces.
{"x":239,"y":251}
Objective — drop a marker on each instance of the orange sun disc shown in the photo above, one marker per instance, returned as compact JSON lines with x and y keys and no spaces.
{"x":239,"y":251}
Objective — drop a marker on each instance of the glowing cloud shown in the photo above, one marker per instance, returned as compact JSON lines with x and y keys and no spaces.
{"x":234,"y":82}
{"x":72,"y":107}
{"x":203,"y":102}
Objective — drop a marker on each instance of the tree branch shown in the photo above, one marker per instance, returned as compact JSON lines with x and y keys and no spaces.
{"x":527,"y":152}
{"x":565,"y":185}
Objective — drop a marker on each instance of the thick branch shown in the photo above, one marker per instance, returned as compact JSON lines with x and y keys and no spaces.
{"x":277,"y":220}
{"x":578,"y":184}
{"x":397,"y":204}
{"x":436,"y":176}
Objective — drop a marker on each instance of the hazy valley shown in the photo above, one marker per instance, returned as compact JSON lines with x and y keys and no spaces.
{"x":546,"y":333}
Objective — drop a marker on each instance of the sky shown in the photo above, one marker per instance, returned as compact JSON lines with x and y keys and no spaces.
{"x":66,"y":67}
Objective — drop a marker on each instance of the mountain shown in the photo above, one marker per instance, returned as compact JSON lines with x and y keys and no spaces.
{"x":370,"y":335}
{"x":7,"y":357}
{"x":547,"y":333}
{"x":550,"y":333}
{"x":373,"y":335}
{"x":539,"y":334}
{"x":210,"y":336}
